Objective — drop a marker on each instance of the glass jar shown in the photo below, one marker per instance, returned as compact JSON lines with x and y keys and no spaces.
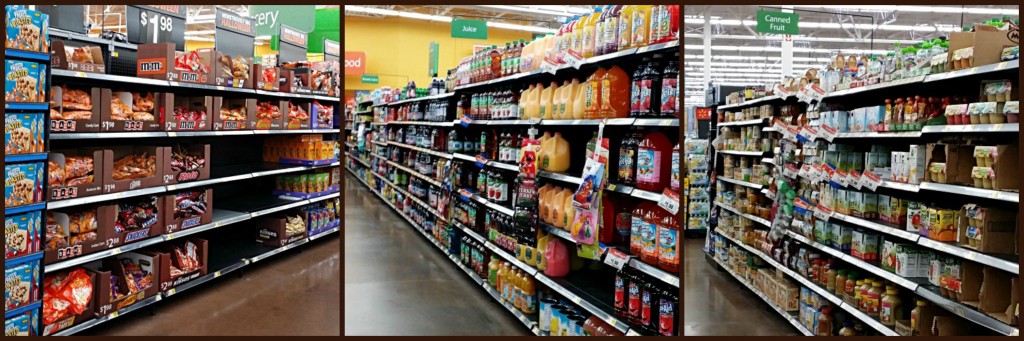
{"x":915,"y":316}
{"x":892,"y":308}
{"x":874,"y":299}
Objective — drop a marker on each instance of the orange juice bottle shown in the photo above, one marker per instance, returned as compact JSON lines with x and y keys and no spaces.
{"x":654,"y":31}
{"x":641,"y":25}
{"x":547,"y":101}
{"x":569,"y":97}
{"x":589,"y":27}
{"x":592,"y":93}
{"x":578,"y":101}
{"x":625,"y":29}
{"x":533,"y":103}
{"x":615,"y":93}
{"x":523,"y":99}
{"x":557,"y":206}
{"x":568,"y":212}
{"x":530,"y":295}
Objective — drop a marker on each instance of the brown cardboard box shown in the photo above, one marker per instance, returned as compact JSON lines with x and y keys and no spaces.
{"x":87,"y":314}
{"x":272,"y":231}
{"x":203,"y":105}
{"x":166,"y":254}
{"x":950,"y":326}
{"x":322,"y":116}
{"x":62,"y":224}
{"x":262,"y":120}
{"x":171,"y":177}
{"x":988,"y":45}
{"x":230,"y":71}
{"x":153,"y":226}
{"x":91,"y":124}
{"x":114,"y":154}
{"x":1007,"y":174}
{"x":959,"y":160}
{"x":286,"y":80}
{"x":177,"y":222}
{"x":159,"y":61}
{"x":996,"y":227}
{"x":111,"y":266}
{"x":998,"y":294}
{"x":299,"y":114}
{"x":161,"y":101}
{"x":61,"y":53}
{"x":62,"y":191}
{"x":267,"y":79}
{"x":967,"y":288}
{"x":227,"y":104}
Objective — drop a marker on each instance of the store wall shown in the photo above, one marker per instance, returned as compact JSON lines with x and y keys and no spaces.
{"x":396,"y":49}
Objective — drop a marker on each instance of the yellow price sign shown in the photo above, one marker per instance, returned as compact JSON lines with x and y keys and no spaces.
{"x":216,"y":274}
{"x":170,"y":236}
{"x":114,"y":315}
{"x":171,"y":292}
{"x":80,"y":74}
{"x":116,"y":251}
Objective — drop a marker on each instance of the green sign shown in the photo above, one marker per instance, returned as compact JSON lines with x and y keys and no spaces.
{"x":470,"y":29}
{"x":432,"y":60}
{"x":370,"y":79}
{"x":269,"y":18}
{"x":777,"y":22}
{"x":328,"y":26}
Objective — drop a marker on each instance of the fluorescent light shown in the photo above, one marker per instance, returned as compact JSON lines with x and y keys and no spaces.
{"x":528,"y":10}
{"x":421,"y":16}
{"x":923,"y":9}
{"x":199,"y":32}
{"x":725,"y":57}
{"x":762,"y":66}
{"x":194,"y":38}
{"x":570,"y":9}
{"x":918,"y":28}
{"x":779,"y":49}
{"x":802,"y":38}
{"x":201,"y":19}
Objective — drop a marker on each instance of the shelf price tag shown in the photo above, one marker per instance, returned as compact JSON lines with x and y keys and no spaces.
{"x":574,"y":59}
{"x":779,"y":125}
{"x":616,"y":259}
{"x":805,"y":171}
{"x":870,"y":181}
{"x":464,"y":120}
{"x":854,"y":179}
{"x":815,"y":93}
{"x":548,"y":66}
{"x":838,"y":179}
{"x":828,"y":133}
{"x":782,"y":91}
{"x":790,"y":171}
{"x":822,"y":213}
{"x":669,"y":200}
{"x":481,"y":160}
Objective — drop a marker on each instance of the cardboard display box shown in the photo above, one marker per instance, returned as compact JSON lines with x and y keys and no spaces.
{"x":112,"y":266}
{"x":230,"y":71}
{"x":967,"y":288}
{"x":299,"y":115}
{"x":267,"y":78}
{"x":135,"y":219}
{"x":233,"y":113}
{"x":189,"y":113}
{"x":136,"y":111}
{"x":287,"y":81}
{"x":268,"y":118}
{"x":59,"y":242}
{"x":61,"y":173}
{"x":987,"y":43}
{"x":81,"y":113}
{"x":166,"y":254}
{"x":998,"y":294}
{"x":958,"y":159}
{"x":83,"y":59}
{"x":187,"y":209}
{"x":322,"y":116}
{"x":111,"y":167}
{"x":987,"y":230}
{"x":70,"y":321}
{"x":202,"y":172}
{"x":273,"y":231}
{"x":161,"y":61}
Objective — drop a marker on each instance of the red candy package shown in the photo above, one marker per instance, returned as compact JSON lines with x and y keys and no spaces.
{"x":190,"y":62}
{"x":66,"y":296}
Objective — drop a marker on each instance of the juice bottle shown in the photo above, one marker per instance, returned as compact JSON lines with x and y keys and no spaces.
{"x":621,"y":282}
{"x":648,"y":307}
{"x":673,"y":181}
{"x":625,"y":30}
{"x":530,"y":296}
{"x":623,"y":219}
{"x":569,"y":100}
{"x":588,"y":33}
{"x":649,"y":235}
{"x":533,"y":102}
{"x":627,"y":157}
{"x":636,"y":226}
{"x":559,"y":39}
{"x":646,"y":85}
{"x":615,"y":93}
{"x":668,"y":22}
{"x":568,"y":212}
{"x":653,"y":26}
{"x":668,"y":313}
{"x":576,"y":40}
{"x":633,"y":298}
{"x":592,"y":93}
{"x":599,"y":30}
{"x":549,"y":49}
{"x":668,"y":243}
{"x":558,"y":208}
{"x":546,"y":101}
{"x":653,"y":161}
{"x":641,"y":25}
{"x":503,"y":281}
{"x":517,"y":52}
{"x":579,"y":104}
{"x":611,"y":29}
{"x":523,"y":101}
{"x":670,"y":89}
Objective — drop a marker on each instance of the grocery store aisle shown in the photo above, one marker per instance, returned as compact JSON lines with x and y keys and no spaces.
{"x":289,"y":294}
{"x":398,"y":284}
{"x":717,"y":305}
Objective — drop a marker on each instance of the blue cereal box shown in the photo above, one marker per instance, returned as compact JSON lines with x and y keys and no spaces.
{"x":25,"y":81}
{"x":27,"y":29}
{"x":23,"y":324}
{"x":21,"y":234}
{"x":23,"y":184}
{"x":23,"y":133}
{"x":21,"y":285}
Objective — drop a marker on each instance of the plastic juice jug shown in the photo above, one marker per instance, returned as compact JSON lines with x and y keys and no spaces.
{"x":627,"y":158}
{"x":654,"y":25}
{"x":547,"y":101}
{"x":668,"y":243}
{"x":606,"y":229}
{"x":542,"y":244}
{"x":588,"y":33}
{"x":569,"y":92}
{"x":558,"y":157}
{"x":668,"y":23}
{"x":636,"y":225}
{"x":670,"y":89}
{"x":530,"y":296}
{"x":557,"y":258}
{"x":625,"y":30}
{"x":533,"y":102}
{"x":568,"y":212}
{"x":599,"y":34}
{"x":545,"y":151}
{"x":522,"y":101}
{"x":653,"y":162}
{"x":615,"y":93}
{"x":647,"y":86}
{"x":578,"y":101}
{"x":649,"y":235}
{"x":673,"y":181}
{"x":545,"y":202}
{"x":559,"y":101}
{"x":557,"y":206}
{"x":611,"y":29}
{"x":592,"y":95}
{"x":641,"y":25}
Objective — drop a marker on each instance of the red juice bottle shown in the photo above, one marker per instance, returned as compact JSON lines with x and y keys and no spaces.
{"x":654,"y":160}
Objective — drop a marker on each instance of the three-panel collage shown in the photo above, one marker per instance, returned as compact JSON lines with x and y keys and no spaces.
{"x":512,"y":170}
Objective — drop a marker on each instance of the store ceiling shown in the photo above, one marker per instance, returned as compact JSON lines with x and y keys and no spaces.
{"x":741,"y":55}
{"x":535,"y":18}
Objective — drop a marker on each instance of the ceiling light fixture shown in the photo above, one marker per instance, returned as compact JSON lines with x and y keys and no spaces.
{"x":421,"y":16}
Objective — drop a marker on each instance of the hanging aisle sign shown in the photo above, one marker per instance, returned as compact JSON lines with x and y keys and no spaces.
{"x":777,"y":22}
{"x":156,"y":24}
{"x":467,"y":28}
{"x":332,"y":50}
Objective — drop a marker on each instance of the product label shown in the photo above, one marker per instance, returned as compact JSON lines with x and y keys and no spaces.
{"x":620,"y":293}
{"x":666,"y":317}
{"x":649,"y":235}
{"x":668,"y":240}
{"x":639,"y":29}
{"x":626,"y":163}
{"x":635,"y":239}
{"x":645,"y":307}
{"x":644,"y":97}
{"x":648,"y":166}
{"x":624,"y":25}
{"x":634,"y":299}
{"x":674,"y":179}
{"x":588,"y":95}
{"x":606,"y":90}
{"x":872,"y":303}
{"x":886,"y":314}
{"x":669,"y":94}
